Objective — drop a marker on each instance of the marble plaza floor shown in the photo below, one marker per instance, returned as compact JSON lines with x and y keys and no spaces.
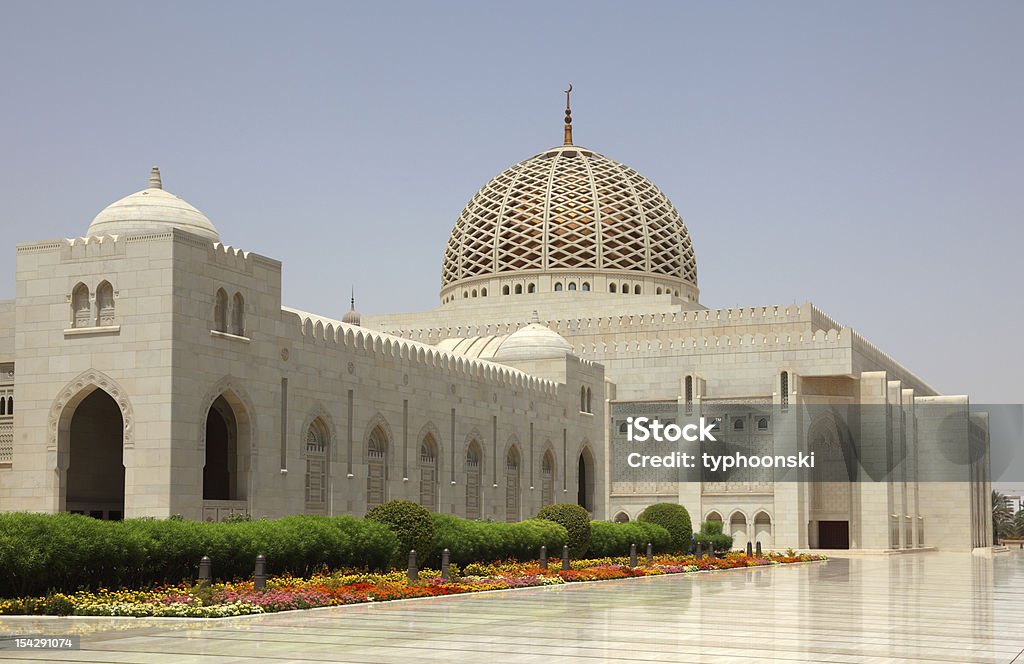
{"x":930,"y":607}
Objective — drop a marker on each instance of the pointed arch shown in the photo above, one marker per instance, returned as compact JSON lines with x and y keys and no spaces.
{"x":318,"y":450}
{"x":104,"y":304}
{"x":238,"y":315}
{"x":220,"y":310}
{"x":586,"y":480}
{"x":81,"y":309}
{"x":429,"y":455}
{"x":513,"y":482}
{"x":377,"y":445}
{"x":474,"y":463}
{"x":548,"y":472}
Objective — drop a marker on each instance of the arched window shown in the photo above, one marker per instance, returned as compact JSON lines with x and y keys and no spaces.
{"x":590,"y":408}
{"x":519,"y":289}
{"x":104,"y":304}
{"x":10,"y":405}
{"x":512,"y":484}
{"x":572,"y":285}
{"x":658,"y":291}
{"x":465,"y":295}
{"x":80,"y":309}
{"x":677,"y":293}
{"x":504,"y":290}
{"x":473,"y":294}
{"x":428,"y":473}
{"x":483,"y":292}
{"x":737,"y":424}
{"x":558,"y":286}
{"x":583,"y":399}
{"x":316,"y":467}
{"x":531,"y":288}
{"x":473,"y":470}
{"x":762,"y":424}
{"x":625,"y":289}
{"x":220,"y":311}
{"x":585,"y":286}
{"x":636,"y":289}
{"x":624,"y":427}
{"x":377,"y":468}
{"x":3,"y":406}
{"x":547,"y":479}
{"x":238,"y":315}
{"x":611,"y":288}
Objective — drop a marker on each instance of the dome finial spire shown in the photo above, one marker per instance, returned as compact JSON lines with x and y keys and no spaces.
{"x":154,"y":179}
{"x":568,"y":117}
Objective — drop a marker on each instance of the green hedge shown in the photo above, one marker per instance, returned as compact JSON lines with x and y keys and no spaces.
{"x":613,"y":539}
{"x":673,"y":518}
{"x":65,"y":552}
{"x":486,"y":541}
{"x":575,"y":520}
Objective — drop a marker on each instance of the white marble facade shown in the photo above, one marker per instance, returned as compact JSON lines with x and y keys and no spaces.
{"x":153,"y":370}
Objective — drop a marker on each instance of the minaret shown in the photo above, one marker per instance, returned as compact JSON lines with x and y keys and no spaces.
{"x":154,"y":179}
{"x":568,"y":117}
{"x":352,"y":317}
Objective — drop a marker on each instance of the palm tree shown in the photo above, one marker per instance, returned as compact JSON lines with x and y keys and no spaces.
{"x":1017,"y":526}
{"x":1002,"y":515}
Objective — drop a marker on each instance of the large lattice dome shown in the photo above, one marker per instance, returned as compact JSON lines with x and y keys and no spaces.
{"x":568,"y":219}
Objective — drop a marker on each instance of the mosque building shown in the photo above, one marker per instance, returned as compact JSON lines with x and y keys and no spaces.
{"x":148,"y":369}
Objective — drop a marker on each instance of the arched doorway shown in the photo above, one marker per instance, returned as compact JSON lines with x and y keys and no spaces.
{"x":738,"y":529}
{"x":94,"y":480}
{"x":763,"y":529}
{"x":316,"y":453}
{"x":377,"y":468}
{"x":221,"y":471}
{"x":621,"y":517}
{"x":585,"y":480}
{"x":473,"y":456}
{"x":512,"y":484}
{"x":428,"y":473}
{"x":547,"y":479}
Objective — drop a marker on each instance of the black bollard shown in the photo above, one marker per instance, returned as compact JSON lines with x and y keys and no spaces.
{"x":632,"y":555}
{"x":565,"y":557}
{"x":650,"y":553}
{"x":758,"y":549}
{"x":446,"y":558}
{"x":543,"y":557}
{"x":259,"y":577}
{"x":700,"y":551}
{"x":205,"y":570}
{"x":750,"y":549}
{"x":414,"y":571}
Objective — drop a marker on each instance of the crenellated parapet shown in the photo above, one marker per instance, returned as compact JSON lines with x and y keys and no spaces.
{"x":805,"y":315}
{"x":723,"y":344}
{"x":334,"y":334}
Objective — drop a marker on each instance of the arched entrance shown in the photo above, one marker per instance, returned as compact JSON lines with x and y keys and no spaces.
{"x":585,"y":480}
{"x":94,"y":478}
{"x":221,"y":470}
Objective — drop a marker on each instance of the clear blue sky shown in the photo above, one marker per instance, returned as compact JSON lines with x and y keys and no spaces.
{"x":866,"y":156}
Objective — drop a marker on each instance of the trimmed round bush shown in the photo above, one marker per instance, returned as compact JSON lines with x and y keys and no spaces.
{"x":411,"y":523}
{"x":673,"y":518}
{"x":711,"y":533}
{"x":613,"y":539}
{"x":575,"y":520}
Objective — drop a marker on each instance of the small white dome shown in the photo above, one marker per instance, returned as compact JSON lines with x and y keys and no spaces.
{"x":152,"y":210}
{"x":533,"y":342}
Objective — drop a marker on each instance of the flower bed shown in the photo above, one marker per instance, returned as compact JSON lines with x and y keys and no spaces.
{"x":286,"y":593}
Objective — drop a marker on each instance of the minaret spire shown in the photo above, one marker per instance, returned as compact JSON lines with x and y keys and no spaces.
{"x":154,"y":179}
{"x":568,"y":117}
{"x":353,"y":297}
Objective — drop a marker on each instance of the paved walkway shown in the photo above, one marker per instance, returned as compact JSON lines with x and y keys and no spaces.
{"x":939,"y":607}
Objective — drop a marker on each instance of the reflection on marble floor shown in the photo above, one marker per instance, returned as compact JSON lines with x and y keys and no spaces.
{"x":939,"y":607}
